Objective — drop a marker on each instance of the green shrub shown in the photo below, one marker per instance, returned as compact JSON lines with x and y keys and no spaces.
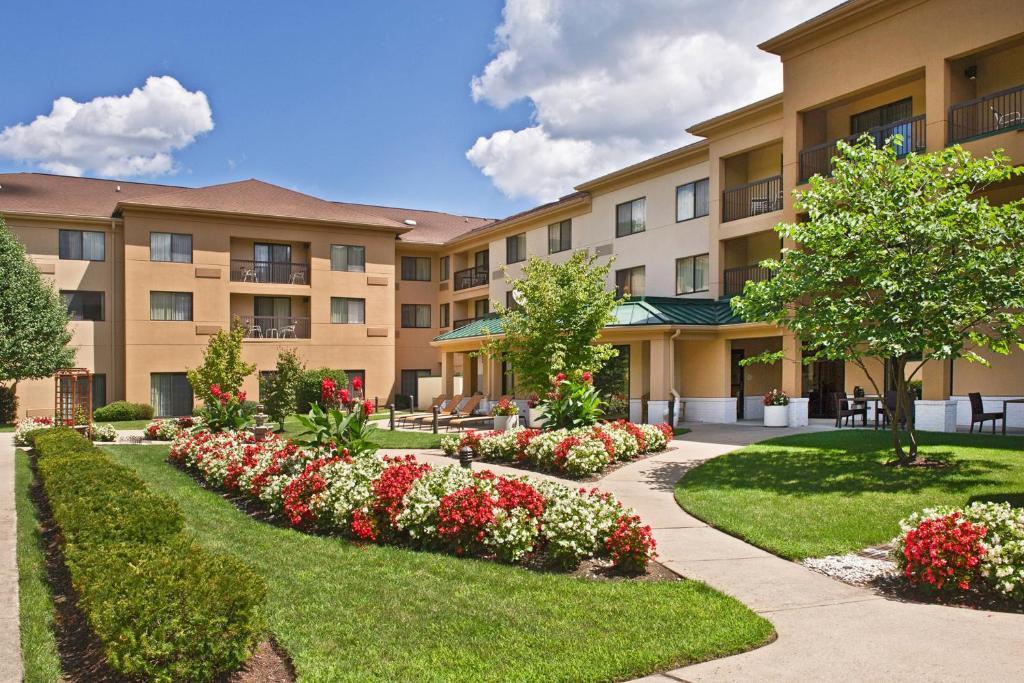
{"x":307,"y":389}
{"x":170,"y":612}
{"x":29,"y":437}
{"x":8,"y":405}
{"x":60,"y":440}
{"x":121,"y":411}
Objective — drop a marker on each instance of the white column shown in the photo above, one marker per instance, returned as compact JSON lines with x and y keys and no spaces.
{"x":715,"y":410}
{"x":799,"y":410}
{"x":935,"y":416}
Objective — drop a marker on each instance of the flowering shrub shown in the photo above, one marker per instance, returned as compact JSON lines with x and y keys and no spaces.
{"x":30,"y":424}
{"x":952,"y":549}
{"x":399,"y":500}
{"x":106,"y":433}
{"x":343,"y":427}
{"x":571,"y":402}
{"x":166,"y":429}
{"x":224,"y":410}
{"x":575,"y":452}
{"x":505,"y":407}
{"x":775,"y":397}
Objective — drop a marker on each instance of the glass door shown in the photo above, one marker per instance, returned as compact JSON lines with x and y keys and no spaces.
{"x":272,"y":313}
{"x":273,"y":262}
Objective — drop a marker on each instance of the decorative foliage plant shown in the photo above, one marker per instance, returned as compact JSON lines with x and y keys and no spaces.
{"x":342,"y":426}
{"x":571,"y":402}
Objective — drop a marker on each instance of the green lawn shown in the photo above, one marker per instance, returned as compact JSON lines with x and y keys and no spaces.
{"x":6,"y":428}
{"x":826,"y":493}
{"x":348,"y":612}
{"x":383,"y":437}
{"x":38,"y":647}
{"x":126,"y":424}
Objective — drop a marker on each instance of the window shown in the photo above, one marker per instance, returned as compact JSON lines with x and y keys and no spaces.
{"x":444,"y":315}
{"x":81,"y":245}
{"x":173,"y":247}
{"x":692,"y":274}
{"x":631,"y":217}
{"x":560,"y":236}
{"x":415,"y":315}
{"x":99,"y":391}
{"x":348,"y":311}
{"x":170,"y":393}
{"x":481,"y":259}
{"x":84,"y":305}
{"x":881,"y":116}
{"x":353,"y":374}
{"x":170,"y":305}
{"x":416,"y":268}
{"x":481,"y":307}
{"x":347,"y":257}
{"x":630,"y":281}
{"x":446,"y":265}
{"x":410,"y":390}
{"x":515,"y":248}
{"x":692,"y":200}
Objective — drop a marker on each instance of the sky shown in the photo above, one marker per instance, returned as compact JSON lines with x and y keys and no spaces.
{"x":476,"y":107}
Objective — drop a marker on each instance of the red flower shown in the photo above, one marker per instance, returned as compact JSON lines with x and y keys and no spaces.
{"x":367,"y":408}
{"x":394,"y":482}
{"x":631,"y":546}
{"x":241,"y":395}
{"x":345,"y":397}
{"x":463,"y":518}
{"x":357,"y":384}
{"x":587,"y":377}
{"x":215,"y":390}
{"x":944,"y":553}
{"x":514,"y":493}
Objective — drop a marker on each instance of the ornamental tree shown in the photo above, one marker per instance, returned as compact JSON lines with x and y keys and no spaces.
{"x":899,"y":260}
{"x":34,"y":333}
{"x":278,"y":390}
{"x":561,"y":309}
{"x":222,"y":364}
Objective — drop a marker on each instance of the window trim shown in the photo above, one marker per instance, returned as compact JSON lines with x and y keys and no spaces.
{"x":81,"y":237}
{"x":518,"y":238}
{"x":415,"y":317}
{"x":559,"y":226}
{"x":362,"y":269}
{"x":632,"y":220}
{"x":695,"y":216}
{"x":347,"y":321}
{"x":415,"y":269}
{"x":693,"y":257}
{"x":191,"y":246}
{"x":103,"y":304}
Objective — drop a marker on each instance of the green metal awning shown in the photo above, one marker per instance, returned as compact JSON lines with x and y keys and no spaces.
{"x":647,"y":310}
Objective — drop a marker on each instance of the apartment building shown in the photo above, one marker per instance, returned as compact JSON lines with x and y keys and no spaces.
{"x":394,"y":295}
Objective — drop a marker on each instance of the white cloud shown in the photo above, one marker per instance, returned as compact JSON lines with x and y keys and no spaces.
{"x":614,"y":81}
{"x":127,"y":135}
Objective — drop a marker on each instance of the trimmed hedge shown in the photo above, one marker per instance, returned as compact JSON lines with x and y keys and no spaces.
{"x":164,"y":608}
{"x":122,"y":411}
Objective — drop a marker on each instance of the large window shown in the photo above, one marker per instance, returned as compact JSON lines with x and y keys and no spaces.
{"x":692,"y":200}
{"x":444,"y":313}
{"x":416,"y":268}
{"x":348,"y":311}
{"x":415,"y":315}
{"x":99,"y":391}
{"x":515,"y":248}
{"x":692,"y":274}
{"x":630,"y":281}
{"x":84,"y":305}
{"x":168,"y":246}
{"x":81,"y":245}
{"x":348,"y":257}
{"x":170,"y":393}
{"x":481,"y":307}
{"x":446,"y":268}
{"x":560,"y":236}
{"x":631,"y":217}
{"x":170,"y":305}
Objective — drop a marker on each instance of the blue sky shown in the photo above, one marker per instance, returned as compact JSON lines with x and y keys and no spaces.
{"x":372,"y":101}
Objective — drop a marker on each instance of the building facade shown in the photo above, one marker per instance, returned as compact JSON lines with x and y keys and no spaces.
{"x":394,"y":294}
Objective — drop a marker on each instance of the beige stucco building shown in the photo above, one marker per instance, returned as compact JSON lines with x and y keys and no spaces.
{"x":396,"y":294}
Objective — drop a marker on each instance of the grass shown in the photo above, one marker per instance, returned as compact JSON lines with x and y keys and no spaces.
{"x":383,"y":437}
{"x":125,"y":424}
{"x":6,"y":427}
{"x":828,"y":493}
{"x":678,"y":431}
{"x":38,"y":646}
{"x":349,"y":612}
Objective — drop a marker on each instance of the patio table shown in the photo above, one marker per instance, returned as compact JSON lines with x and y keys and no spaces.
{"x":876,"y":400}
{"x":1006,"y":402}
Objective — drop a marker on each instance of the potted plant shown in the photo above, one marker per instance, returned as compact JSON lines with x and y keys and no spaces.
{"x":506,"y":415}
{"x":776,"y":409}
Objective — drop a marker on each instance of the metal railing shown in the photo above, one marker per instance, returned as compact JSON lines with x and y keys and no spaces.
{"x":752,"y":199}
{"x":274,"y":327}
{"x":987,"y":115}
{"x":269,"y":272}
{"x":736,"y":278}
{"x":817,"y":160}
{"x":471,"y":277}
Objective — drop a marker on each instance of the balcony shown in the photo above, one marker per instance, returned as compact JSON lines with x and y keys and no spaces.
{"x":471,"y":277}
{"x":987,"y":115}
{"x":752,"y":199}
{"x":258,"y":327}
{"x":817,"y":160}
{"x":271,"y":272}
{"x":736,"y":278}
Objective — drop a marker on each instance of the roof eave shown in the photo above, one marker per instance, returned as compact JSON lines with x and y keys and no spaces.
{"x":646,"y":166}
{"x":822,"y":22}
{"x":155,"y":208}
{"x":707,"y":128}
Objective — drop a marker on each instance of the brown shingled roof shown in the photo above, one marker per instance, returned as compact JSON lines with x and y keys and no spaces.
{"x":432,"y":227}
{"x":255,"y":197}
{"x":67,"y":195}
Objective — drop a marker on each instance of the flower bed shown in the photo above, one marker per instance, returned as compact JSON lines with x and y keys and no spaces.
{"x":30,"y":424}
{"x":956,"y":550}
{"x":401,"y":501}
{"x":165,"y":429}
{"x":576,"y":452}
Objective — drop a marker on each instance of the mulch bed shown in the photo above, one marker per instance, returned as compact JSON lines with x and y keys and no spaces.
{"x":80,"y":651}
{"x":896,"y":588}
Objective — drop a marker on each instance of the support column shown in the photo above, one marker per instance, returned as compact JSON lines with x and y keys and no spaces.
{"x":936,"y":412}
{"x":662,"y":374}
{"x":707,"y":382}
{"x":470,"y":374}
{"x":637,"y":379}
{"x":448,"y":373}
{"x":793,"y":380}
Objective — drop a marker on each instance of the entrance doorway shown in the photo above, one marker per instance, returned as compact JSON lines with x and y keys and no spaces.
{"x":821,"y":379}
{"x":736,"y":380}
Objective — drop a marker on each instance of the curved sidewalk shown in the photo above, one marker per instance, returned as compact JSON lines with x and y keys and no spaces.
{"x":827,"y":629}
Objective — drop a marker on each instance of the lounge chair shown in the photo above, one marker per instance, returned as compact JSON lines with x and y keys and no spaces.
{"x":450,"y":409}
{"x":466,"y":409}
{"x":978,"y":414}
{"x":469,"y":420}
{"x":436,"y":403}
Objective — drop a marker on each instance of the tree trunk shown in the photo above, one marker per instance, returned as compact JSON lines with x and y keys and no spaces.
{"x":903,"y":412}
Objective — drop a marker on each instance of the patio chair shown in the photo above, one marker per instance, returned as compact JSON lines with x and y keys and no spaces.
{"x":468,"y":409}
{"x":469,"y":420}
{"x":297,"y":278}
{"x":890,"y":402}
{"x":436,"y":403}
{"x":451,"y":408}
{"x":1008,"y":119}
{"x":249,"y":275}
{"x":286,"y":331}
{"x":254,"y":331}
{"x":978,"y":414}
{"x":845,"y":409}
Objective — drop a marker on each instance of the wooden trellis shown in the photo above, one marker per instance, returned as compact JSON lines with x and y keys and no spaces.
{"x":72,"y":399}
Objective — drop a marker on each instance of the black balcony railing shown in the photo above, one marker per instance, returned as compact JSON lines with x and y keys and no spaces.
{"x":737,"y":278}
{"x":269,"y":272}
{"x":817,"y":160}
{"x":275,"y":327}
{"x":471,"y":277}
{"x":987,"y":115}
{"x":752,"y":199}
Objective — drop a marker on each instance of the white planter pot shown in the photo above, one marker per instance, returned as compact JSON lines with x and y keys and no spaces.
{"x":536,"y":417}
{"x":506,"y":422}
{"x":776,"y":416}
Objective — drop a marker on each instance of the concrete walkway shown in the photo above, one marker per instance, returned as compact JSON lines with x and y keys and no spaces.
{"x":10,"y":636}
